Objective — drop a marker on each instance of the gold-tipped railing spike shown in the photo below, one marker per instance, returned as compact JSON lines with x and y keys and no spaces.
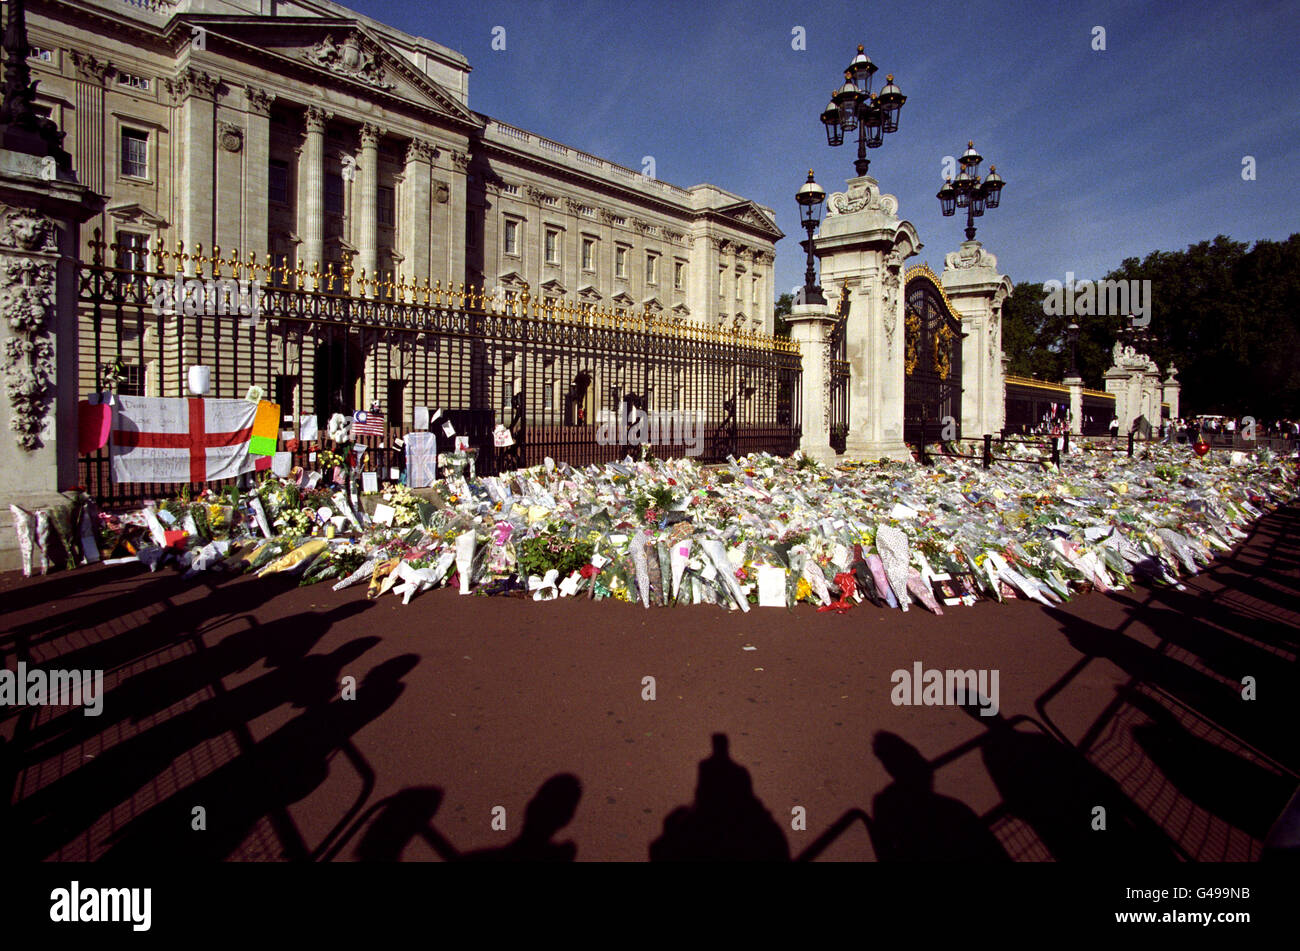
{"x":426,"y":290}
{"x":437,"y":292}
{"x":215,"y":260}
{"x":301,"y":274}
{"x":347,"y":274}
{"x":181,"y":258}
{"x":315,"y":276}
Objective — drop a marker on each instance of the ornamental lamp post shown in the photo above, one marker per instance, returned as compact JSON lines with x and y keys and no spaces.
{"x":968,"y":192}
{"x":853,"y":107}
{"x":1072,"y":334}
{"x":810,"y":197}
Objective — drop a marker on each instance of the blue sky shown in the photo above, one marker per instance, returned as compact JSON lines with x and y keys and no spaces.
{"x":1108,"y":154}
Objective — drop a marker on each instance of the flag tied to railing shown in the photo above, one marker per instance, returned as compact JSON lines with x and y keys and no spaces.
{"x":189,"y":440}
{"x":367,"y":423}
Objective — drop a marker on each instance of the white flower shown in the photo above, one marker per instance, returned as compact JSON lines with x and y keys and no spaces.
{"x":340,"y":428}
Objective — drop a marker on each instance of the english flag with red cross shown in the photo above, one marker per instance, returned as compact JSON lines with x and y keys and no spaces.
{"x":159,"y":439}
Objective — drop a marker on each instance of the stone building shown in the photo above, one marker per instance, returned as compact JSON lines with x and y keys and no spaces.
{"x":304,"y":130}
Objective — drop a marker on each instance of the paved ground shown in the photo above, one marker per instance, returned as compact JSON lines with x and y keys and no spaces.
{"x":225,"y":695}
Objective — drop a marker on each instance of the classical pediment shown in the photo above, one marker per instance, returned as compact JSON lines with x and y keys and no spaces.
{"x":133,"y":213}
{"x":624,"y":299}
{"x":652,"y":305}
{"x":752,"y":216}
{"x":340,"y":51}
{"x":682,"y":311}
{"x":589,"y":294}
{"x":553,"y":288}
{"x":513,"y":280}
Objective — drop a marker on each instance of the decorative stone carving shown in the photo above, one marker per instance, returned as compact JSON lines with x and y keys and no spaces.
{"x":349,"y":60}
{"x":995,"y":334}
{"x":441,"y":192}
{"x":890,"y":283}
{"x":349,"y":168}
{"x":971,"y":255}
{"x":641,"y":226}
{"x":370,"y":135}
{"x":26,"y":230}
{"x":460,"y":159}
{"x":418,"y":150}
{"x":194,"y":82}
{"x":25,"y":302}
{"x":608,"y":216}
{"x":675,"y":237}
{"x":230,"y":136}
{"x":315,"y":119}
{"x":259,"y":100}
{"x":90,"y":68}
{"x":539,"y":196}
{"x":863,"y":194}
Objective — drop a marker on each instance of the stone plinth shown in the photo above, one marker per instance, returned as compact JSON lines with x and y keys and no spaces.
{"x":977,"y":292}
{"x":41,"y":210}
{"x":862,"y":246}
{"x":811,"y":325}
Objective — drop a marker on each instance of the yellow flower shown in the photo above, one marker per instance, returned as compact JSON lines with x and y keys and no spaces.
{"x":802,"y":589}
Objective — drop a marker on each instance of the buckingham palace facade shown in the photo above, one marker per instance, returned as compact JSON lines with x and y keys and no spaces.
{"x":314,"y":134}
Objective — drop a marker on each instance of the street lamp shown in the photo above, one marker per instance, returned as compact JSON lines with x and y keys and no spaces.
{"x":1072,"y":334}
{"x":810,"y":197}
{"x":853,"y":107}
{"x":968,"y":192}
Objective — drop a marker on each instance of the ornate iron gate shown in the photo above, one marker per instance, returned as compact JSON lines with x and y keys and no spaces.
{"x":838,"y":376}
{"x":932,"y":360}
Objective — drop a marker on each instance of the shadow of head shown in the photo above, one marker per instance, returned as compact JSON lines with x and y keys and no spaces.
{"x":553,"y":807}
{"x":903,"y":761}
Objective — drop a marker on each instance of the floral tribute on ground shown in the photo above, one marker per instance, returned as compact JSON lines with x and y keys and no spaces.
{"x":758,"y":531}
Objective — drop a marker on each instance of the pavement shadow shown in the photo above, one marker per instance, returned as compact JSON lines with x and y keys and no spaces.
{"x":395,"y":822}
{"x":1055,"y":790}
{"x":913,"y":823}
{"x":727,"y":822}
{"x":284,"y":768}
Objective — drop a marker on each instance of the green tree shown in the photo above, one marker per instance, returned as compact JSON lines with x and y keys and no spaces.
{"x":781,"y":326}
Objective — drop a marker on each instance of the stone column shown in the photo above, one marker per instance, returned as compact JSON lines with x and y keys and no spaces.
{"x":365,"y":213}
{"x":311,"y":189}
{"x":257,"y":171}
{"x":862,"y":246}
{"x":976,"y":290}
{"x":197,"y":91}
{"x":703,"y":296}
{"x":1172,"y":389}
{"x":810,"y":326}
{"x":416,"y":209}
{"x":1076,"y":404}
{"x":41,"y":211}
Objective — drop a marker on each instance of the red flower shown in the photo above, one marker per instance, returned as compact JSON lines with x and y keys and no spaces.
{"x":588,"y":571}
{"x":740,"y":574}
{"x":672,"y":481}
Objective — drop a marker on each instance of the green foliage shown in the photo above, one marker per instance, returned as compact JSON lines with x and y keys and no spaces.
{"x":541,"y":553}
{"x":1223,"y":311}
{"x":784,"y":305}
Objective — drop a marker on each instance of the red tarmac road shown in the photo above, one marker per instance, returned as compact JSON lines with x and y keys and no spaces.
{"x":224,"y":694}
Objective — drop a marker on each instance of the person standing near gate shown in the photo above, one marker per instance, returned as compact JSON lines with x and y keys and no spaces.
{"x":1114,"y":428}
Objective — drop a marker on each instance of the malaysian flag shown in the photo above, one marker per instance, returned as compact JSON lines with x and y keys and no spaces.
{"x":367,"y":423}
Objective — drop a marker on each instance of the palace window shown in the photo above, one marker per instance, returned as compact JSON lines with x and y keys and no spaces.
{"x":134,"y":81}
{"x":510,"y":242}
{"x":135,"y":153}
{"x":679,"y":275}
{"x":44,"y":55}
{"x":387,"y":206}
{"x":552,"y":246}
{"x":334,"y":193}
{"x":620,"y":262}
{"x":278,"y":182}
{"x":589,"y":254}
{"x":651,"y":268}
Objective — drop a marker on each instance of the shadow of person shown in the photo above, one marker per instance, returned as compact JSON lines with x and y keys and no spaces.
{"x":1056,"y":790}
{"x":913,"y":823}
{"x":550,"y":810}
{"x":726,"y":823}
{"x":398,"y":819}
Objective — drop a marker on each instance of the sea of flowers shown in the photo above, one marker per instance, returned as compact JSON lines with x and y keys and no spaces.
{"x":759,"y":530}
